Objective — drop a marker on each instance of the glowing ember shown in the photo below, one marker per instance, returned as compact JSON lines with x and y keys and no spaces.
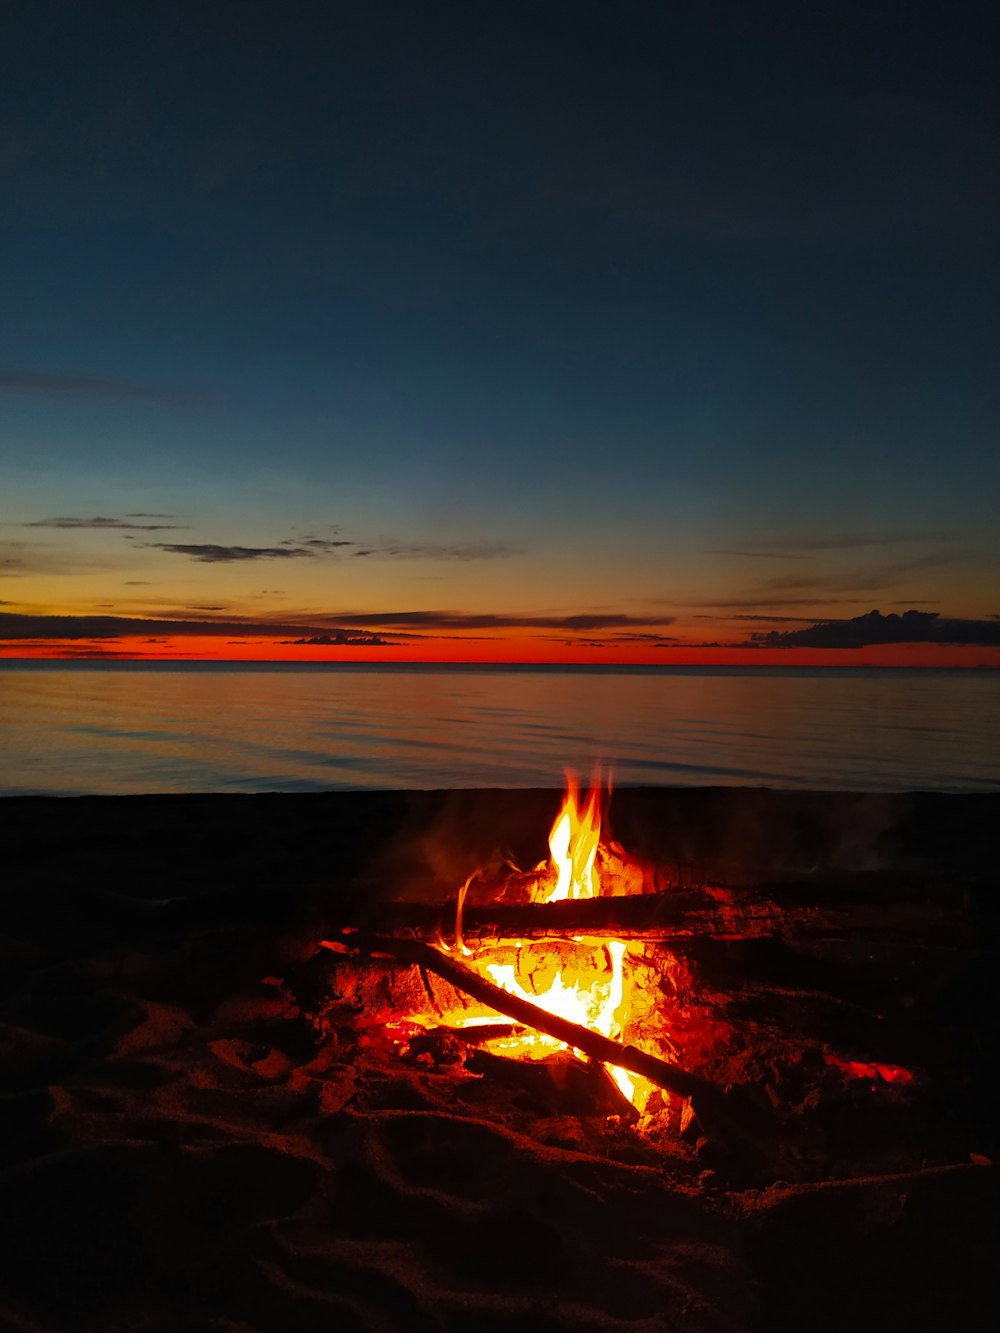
{"x":871,"y":1072}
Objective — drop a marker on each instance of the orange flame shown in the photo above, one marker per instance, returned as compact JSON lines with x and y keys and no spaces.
{"x":594,"y":997}
{"x":573,"y":844}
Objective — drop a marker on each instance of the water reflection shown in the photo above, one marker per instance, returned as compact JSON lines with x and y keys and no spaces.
{"x":82,"y":729}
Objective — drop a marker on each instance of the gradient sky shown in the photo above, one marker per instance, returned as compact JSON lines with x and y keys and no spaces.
{"x":500,"y":331}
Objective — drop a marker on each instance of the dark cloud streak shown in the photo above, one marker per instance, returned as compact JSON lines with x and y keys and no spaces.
{"x":16,"y":626}
{"x":102,"y":524}
{"x":209,"y":553}
{"x":22,"y":626}
{"x":461,"y":620}
{"x":444,"y":551}
{"x":343,"y":638}
{"x":309,"y":548}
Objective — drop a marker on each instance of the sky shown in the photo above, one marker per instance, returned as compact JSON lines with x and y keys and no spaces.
{"x":583,"y":332}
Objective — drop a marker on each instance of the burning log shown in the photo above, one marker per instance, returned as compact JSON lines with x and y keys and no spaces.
{"x":654,"y":916}
{"x":593,"y":1044}
{"x":709,"y":1102}
{"x":670,"y":914}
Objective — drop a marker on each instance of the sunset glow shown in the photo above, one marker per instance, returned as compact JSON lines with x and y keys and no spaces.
{"x":473,"y":348}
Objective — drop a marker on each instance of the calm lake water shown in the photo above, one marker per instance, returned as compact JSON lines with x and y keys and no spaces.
{"x":74,"y":728}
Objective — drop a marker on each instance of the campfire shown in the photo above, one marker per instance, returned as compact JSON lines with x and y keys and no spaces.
{"x":593,"y":973}
{"x":585,"y":980}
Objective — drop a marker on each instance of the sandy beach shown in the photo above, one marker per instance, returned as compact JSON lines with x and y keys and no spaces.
{"x":185,"y":1147}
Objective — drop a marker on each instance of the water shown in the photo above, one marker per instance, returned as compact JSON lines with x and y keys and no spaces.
{"x":71,"y":728}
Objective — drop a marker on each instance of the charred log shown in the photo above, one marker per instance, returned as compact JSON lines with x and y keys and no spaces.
{"x":559,"y":1085}
{"x":710,"y":1103}
{"x":651,"y":915}
{"x":788,"y":911}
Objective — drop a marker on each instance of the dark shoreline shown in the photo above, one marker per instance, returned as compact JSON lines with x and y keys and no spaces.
{"x":429,"y":841}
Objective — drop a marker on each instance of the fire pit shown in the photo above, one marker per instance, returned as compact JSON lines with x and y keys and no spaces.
{"x":604,"y":988}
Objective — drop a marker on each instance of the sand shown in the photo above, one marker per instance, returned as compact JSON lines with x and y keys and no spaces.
{"x":182,"y":1150}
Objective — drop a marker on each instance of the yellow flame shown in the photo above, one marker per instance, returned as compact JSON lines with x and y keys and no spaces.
{"x":573,"y":845}
{"x":593,"y":997}
{"x":592,"y":1003}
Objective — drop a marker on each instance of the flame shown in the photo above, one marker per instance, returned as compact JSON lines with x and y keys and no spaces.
{"x":592,"y":996}
{"x":573,"y":844}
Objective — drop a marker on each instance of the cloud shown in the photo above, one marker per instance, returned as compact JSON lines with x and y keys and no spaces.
{"x":142,"y":515}
{"x":19,"y":626}
{"x":346,"y":628}
{"x":461,"y":620}
{"x":97,"y":388}
{"x":861,"y":581}
{"x":771,"y":620}
{"x":874,"y":628}
{"x":789,"y":590}
{"x":625,"y":641}
{"x":209,"y":553}
{"x":91,"y":650}
{"x":343,"y":638}
{"x":441,"y":551}
{"x":103,"y":524}
{"x":306,"y":547}
{"x":760,"y":603}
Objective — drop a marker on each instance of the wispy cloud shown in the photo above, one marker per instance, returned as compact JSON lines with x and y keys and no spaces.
{"x":103,"y":524}
{"x":587,"y":622}
{"x":97,"y":388}
{"x":440,"y":551}
{"x":314,"y":547}
{"x":209,"y":553}
{"x":761,"y":603}
{"x":770,"y":620}
{"x":835,"y":588}
{"x":347,"y":627}
{"x":864,"y":580}
{"x":342,"y":638}
{"x":623,"y":641}
{"x":20,"y":627}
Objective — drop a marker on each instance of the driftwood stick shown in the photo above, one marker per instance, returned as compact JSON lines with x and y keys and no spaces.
{"x":652,"y":916}
{"x":672,"y":916}
{"x":598,"y":1047}
{"x":714,"y":1108}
